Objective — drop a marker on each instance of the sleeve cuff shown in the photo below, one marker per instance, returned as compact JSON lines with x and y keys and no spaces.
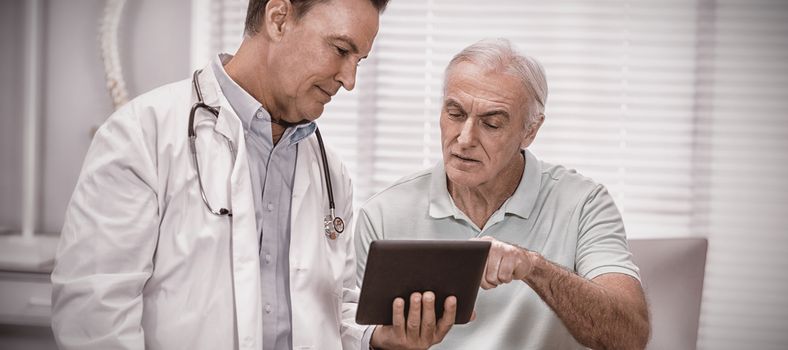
{"x":366,"y":338}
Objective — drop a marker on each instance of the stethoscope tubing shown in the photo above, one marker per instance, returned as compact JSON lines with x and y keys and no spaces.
{"x":326,"y":172}
{"x":333,"y":225}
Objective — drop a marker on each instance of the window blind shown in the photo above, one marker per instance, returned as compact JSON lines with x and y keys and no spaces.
{"x":677,"y":106}
{"x":742,"y":141}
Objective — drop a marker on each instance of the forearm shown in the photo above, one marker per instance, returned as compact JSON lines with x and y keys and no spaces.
{"x":595,"y":316}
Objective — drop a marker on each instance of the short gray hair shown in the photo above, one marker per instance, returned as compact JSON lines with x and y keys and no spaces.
{"x":498,"y":54}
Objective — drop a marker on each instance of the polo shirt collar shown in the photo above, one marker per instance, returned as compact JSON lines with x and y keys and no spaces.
{"x":521,"y":203}
{"x":441,"y":204}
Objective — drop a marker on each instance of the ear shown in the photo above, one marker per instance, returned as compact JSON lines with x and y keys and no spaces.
{"x":277,"y":14}
{"x":533,"y":128}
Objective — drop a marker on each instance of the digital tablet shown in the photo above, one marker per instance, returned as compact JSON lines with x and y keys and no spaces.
{"x":397,"y":268}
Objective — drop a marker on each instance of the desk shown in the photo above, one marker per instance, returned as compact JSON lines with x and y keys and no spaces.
{"x":25,"y":311}
{"x":26,"y":298}
{"x":25,"y":292}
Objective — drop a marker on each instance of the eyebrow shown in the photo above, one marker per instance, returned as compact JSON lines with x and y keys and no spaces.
{"x":450,"y":102}
{"x":495,"y":112}
{"x":347,"y":40}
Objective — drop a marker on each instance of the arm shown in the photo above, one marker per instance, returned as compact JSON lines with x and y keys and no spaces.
{"x":601,"y":306}
{"x":608,"y":312}
{"x":106,"y":247}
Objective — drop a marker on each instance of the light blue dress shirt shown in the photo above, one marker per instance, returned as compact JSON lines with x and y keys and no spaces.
{"x":272,"y":169}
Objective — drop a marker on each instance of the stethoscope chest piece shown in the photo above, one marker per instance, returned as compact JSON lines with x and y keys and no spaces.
{"x":333,"y":226}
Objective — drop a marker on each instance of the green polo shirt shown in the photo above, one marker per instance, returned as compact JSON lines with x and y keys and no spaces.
{"x":566,"y":217}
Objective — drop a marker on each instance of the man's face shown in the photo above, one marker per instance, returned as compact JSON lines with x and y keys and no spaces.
{"x":482,"y":125}
{"x":318,"y":53}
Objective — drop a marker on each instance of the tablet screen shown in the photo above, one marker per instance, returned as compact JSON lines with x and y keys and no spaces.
{"x":397,"y":268}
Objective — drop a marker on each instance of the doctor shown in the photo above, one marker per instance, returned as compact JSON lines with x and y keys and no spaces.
{"x":224,"y":243}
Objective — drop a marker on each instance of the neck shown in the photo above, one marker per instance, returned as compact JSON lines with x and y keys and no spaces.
{"x":247,"y":68}
{"x":480,"y":202}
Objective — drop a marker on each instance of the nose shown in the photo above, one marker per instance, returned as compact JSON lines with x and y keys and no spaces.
{"x":467,"y":133}
{"x":347,"y":75}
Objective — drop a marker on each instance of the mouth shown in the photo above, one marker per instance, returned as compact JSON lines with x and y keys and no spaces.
{"x":328,"y":94}
{"x":465,"y":159}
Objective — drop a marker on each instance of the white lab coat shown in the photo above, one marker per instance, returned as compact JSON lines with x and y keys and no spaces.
{"x":143,"y":264}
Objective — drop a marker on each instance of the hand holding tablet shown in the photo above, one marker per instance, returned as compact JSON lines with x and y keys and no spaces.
{"x":398,"y":268}
{"x":420,"y":330}
{"x":418,"y":289}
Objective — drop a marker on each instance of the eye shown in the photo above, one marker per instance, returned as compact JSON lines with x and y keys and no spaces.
{"x":342,"y":51}
{"x":491,"y":126}
{"x":454,"y":115}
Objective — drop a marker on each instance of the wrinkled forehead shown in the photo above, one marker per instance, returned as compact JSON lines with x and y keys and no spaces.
{"x":467,"y":82}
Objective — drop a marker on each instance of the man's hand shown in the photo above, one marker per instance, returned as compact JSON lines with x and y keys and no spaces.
{"x":505,"y":263}
{"x":420,"y":331}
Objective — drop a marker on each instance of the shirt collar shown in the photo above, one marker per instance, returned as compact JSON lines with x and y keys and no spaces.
{"x":441,"y":204}
{"x":244,"y":105}
{"x":247,"y":107}
{"x":521,"y":203}
{"x":301,"y":132}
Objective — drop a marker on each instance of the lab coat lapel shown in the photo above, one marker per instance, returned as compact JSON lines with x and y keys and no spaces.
{"x":228,"y":123}
{"x":244,"y":243}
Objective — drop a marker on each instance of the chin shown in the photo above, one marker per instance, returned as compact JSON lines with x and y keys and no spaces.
{"x":314,"y":112}
{"x":461,"y":178}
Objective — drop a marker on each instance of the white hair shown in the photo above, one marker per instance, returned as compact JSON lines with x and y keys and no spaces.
{"x":498,"y":54}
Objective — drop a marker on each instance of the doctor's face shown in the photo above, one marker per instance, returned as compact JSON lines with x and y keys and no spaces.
{"x":319,"y":53}
{"x":482,"y":125}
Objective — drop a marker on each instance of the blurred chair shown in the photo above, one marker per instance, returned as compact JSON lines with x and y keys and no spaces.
{"x":672,"y":274}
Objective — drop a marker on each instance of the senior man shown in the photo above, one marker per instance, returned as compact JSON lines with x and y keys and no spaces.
{"x":559,"y":274}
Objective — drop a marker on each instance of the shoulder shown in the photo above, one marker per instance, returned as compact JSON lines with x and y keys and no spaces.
{"x":152,"y":106}
{"x":163,"y":99}
{"x":402,"y":196}
{"x":567,"y":184}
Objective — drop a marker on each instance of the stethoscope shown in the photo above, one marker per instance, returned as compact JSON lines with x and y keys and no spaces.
{"x":333,"y":225}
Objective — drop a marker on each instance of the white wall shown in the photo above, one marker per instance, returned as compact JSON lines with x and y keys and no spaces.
{"x":10,"y":113}
{"x":154,"y":44}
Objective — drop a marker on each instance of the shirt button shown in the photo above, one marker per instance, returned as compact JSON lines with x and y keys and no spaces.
{"x":268,"y":258}
{"x":268,"y":308}
{"x":270,"y":206}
